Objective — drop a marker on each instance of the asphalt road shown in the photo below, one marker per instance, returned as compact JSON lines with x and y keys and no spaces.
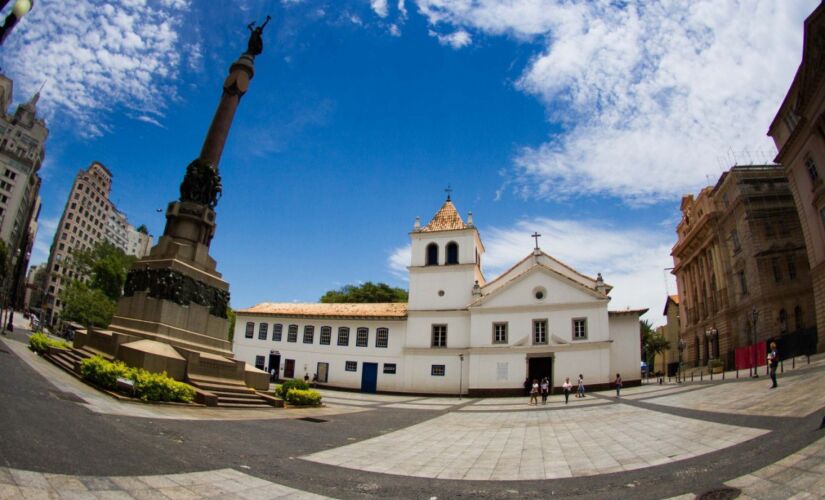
{"x":45,"y":430}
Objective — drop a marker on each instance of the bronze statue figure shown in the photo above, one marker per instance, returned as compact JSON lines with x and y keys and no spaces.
{"x":256,"y":42}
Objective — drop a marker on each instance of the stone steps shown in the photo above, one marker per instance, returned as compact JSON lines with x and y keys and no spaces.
{"x":232,"y":394}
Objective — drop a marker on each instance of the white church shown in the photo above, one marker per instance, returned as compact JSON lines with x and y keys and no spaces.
{"x":459,"y":333}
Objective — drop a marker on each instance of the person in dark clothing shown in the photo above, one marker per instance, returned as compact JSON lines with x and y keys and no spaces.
{"x":527,"y":386}
{"x":773,"y":361}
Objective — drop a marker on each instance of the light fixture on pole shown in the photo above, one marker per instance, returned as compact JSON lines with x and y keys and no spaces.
{"x":682,"y":345}
{"x":20,"y":9}
{"x":460,"y":375}
{"x":755,"y":318}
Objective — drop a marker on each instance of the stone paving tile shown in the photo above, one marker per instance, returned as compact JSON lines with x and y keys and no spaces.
{"x":799,"y":475}
{"x":793,"y":397}
{"x":223,"y":483}
{"x":536,"y":445}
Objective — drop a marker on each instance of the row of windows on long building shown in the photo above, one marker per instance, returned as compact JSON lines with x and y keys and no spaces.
{"x":362,"y":334}
{"x":438,"y":338}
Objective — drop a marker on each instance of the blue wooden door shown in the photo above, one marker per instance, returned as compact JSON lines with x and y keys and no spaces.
{"x":369,"y":377}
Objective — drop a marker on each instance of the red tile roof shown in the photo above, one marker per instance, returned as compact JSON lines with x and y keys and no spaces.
{"x":381,"y":310}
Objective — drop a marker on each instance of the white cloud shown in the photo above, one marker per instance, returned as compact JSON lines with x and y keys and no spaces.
{"x":456,"y":39}
{"x":380,"y":7}
{"x":97,"y":58}
{"x":632,"y":260}
{"x":395,"y":30}
{"x":649,"y":95}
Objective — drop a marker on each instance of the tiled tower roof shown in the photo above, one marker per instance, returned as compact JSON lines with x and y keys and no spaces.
{"x":446,"y":219}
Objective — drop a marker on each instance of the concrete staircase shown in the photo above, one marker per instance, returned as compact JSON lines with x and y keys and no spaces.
{"x":231,"y":394}
{"x":69,"y":359}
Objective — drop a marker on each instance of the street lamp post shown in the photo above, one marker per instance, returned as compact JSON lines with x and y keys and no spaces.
{"x":682,"y":345}
{"x":460,"y":374}
{"x":20,"y":9}
{"x":755,"y":318}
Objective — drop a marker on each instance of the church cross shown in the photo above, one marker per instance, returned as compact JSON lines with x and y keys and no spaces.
{"x":536,"y":235}
{"x":448,"y":191}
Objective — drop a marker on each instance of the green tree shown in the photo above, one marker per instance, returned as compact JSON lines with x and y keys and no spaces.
{"x":142,"y":229}
{"x":653,"y":342}
{"x":40,"y":278}
{"x":366,"y":292}
{"x":230,"y":315}
{"x":107,"y":266}
{"x":86,"y":305}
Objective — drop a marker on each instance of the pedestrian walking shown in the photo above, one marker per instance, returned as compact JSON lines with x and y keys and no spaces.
{"x":534,"y":393}
{"x":527,"y":386}
{"x":580,"y":393}
{"x":773,"y":362}
{"x":545,"y":390}
{"x":618,"y":384}
{"x":567,"y":387}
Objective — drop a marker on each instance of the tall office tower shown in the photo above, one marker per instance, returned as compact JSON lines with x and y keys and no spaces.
{"x":22,"y":140}
{"x":88,"y":218}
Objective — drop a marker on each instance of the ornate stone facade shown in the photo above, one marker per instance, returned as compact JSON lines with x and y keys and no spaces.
{"x":740,"y":249}
{"x":799,"y":133}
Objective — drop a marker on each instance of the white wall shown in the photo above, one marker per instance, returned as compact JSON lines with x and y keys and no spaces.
{"x":419,"y":328}
{"x":310,"y":355}
{"x":625,"y":354}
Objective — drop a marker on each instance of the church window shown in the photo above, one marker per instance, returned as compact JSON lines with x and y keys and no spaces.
{"x":259,"y":362}
{"x":277,"y":332}
{"x":382,"y":338}
{"x":438,"y":370}
{"x":539,"y":293}
{"x":452,"y":252}
{"x":389,"y":368}
{"x":810,"y":166}
{"x":539,"y":331}
{"x":343,"y":336}
{"x":263,"y":329}
{"x":743,"y":282}
{"x":579,"y":328}
{"x":309,"y":334}
{"x":432,"y":255}
{"x":292,"y":333}
{"x":326,"y":335}
{"x":499,"y":333}
{"x":351,"y":366}
{"x":250,"y":329}
{"x":362,"y":337}
{"x":439,"y":338}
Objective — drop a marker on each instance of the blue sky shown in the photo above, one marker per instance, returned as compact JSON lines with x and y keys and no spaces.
{"x":586,"y":121}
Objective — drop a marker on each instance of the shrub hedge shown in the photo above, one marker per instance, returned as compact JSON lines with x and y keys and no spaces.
{"x":284,"y":388}
{"x":40,"y":343}
{"x":300,"y":397}
{"x":148,"y":386}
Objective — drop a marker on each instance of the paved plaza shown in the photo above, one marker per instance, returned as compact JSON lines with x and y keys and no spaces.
{"x":59,"y":438}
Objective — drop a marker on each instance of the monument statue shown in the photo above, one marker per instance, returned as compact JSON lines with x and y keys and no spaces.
{"x":172,"y":315}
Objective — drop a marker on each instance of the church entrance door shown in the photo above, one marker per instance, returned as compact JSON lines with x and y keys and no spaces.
{"x":540,"y":368}
{"x":369,"y":377}
{"x":274,"y":364}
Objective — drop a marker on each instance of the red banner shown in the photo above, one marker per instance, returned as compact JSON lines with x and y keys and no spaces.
{"x":745,"y":356}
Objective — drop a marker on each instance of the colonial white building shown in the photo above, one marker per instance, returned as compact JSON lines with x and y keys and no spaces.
{"x":459,"y":332}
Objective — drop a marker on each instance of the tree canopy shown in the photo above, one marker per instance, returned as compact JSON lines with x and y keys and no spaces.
{"x":366,"y":292}
{"x":86,"y":305}
{"x":93,"y":303}
{"x":107,"y":266}
{"x":653,"y":342}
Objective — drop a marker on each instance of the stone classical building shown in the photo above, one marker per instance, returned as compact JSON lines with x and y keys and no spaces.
{"x":799,"y":133}
{"x":668,"y":361}
{"x":22,"y":149}
{"x":88,"y":218}
{"x":740,"y":250}
{"x":458,"y":332}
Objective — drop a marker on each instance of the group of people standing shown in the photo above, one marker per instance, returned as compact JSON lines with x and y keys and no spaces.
{"x":542,"y":388}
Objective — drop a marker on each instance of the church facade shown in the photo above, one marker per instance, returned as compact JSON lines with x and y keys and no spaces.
{"x":458,"y":333}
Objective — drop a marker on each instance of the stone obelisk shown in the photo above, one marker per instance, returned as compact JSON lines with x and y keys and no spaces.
{"x":172,"y":316}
